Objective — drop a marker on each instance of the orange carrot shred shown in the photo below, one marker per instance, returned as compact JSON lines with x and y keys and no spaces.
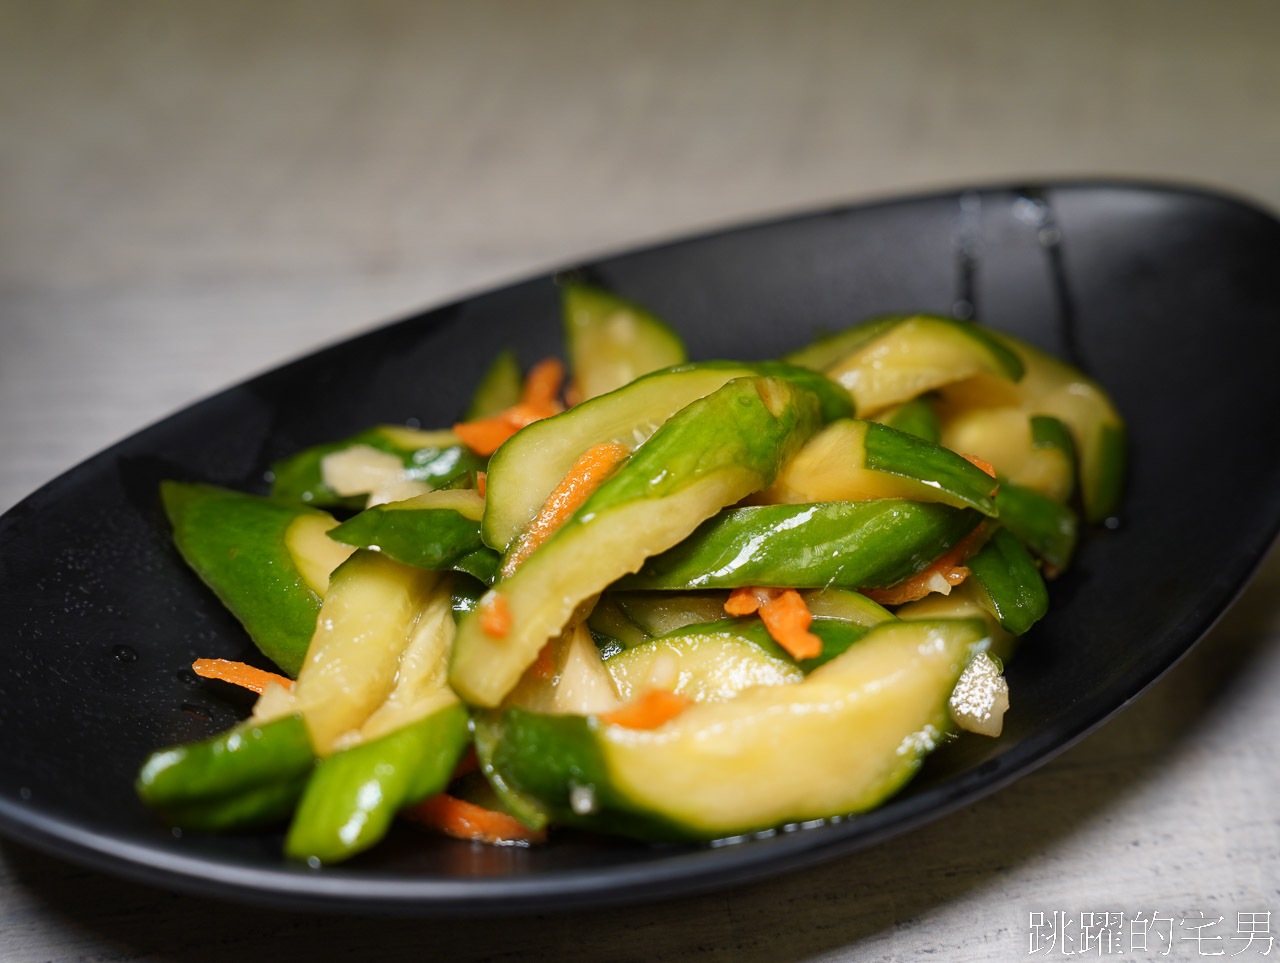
{"x":537,"y":401}
{"x":648,"y":711}
{"x":595,"y":465}
{"x":785,"y":615}
{"x":544,"y":667}
{"x":238,"y":673}
{"x":979,"y":463}
{"x":742,"y":601}
{"x":482,"y":482}
{"x":921,"y":584}
{"x":787,"y":618}
{"x":465,"y":820}
{"x":495,"y":615}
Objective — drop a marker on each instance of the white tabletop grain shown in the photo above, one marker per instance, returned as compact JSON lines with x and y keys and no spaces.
{"x":191,"y":193}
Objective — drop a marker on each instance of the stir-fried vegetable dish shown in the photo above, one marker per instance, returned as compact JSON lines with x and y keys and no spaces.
{"x":671,"y":600}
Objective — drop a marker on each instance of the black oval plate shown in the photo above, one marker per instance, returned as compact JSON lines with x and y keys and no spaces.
{"x":1167,"y":296}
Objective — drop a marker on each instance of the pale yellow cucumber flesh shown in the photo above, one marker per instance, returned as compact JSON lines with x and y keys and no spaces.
{"x":840,"y":742}
{"x":366,"y":622}
{"x":916,"y":355}
{"x":1002,"y":437}
{"x":314,"y":553}
{"x":702,"y":667}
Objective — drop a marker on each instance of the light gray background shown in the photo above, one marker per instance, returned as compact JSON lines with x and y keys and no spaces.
{"x":193,"y":192}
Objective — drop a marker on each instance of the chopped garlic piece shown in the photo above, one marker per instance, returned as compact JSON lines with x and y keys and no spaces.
{"x":981,"y":697}
{"x":360,"y":469}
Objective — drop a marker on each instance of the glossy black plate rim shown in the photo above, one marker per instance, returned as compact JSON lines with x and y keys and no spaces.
{"x":687,"y":869}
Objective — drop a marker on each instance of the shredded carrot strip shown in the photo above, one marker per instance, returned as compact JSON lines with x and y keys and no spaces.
{"x":742,"y":601}
{"x":465,"y":820}
{"x":787,"y":618}
{"x":984,"y":465}
{"x":238,"y":673}
{"x":482,"y":482}
{"x":595,"y":465}
{"x":544,"y":667}
{"x":495,"y":615}
{"x":648,"y":711}
{"x":784,"y":613}
{"x":919,"y":585}
{"x":537,"y":401}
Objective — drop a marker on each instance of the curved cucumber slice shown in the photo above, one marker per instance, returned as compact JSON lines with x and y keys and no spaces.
{"x":703,"y":663}
{"x":368,"y":620}
{"x":1011,"y":580}
{"x":1045,"y":526}
{"x":438,"y":530}
{"x":915,"y":355}
{"x":916,"y":417}
{"x":661,"y":612}
{"x":499,"y":388}
{"x":713,"y":453}
{"x":259,"y":557}
{"x":430,"y":459}
{"x":352,"y":796}
{"x":527,"y":468}
{"x":248,"y":775}
{"x":1051,"y":387}
{"x":848,"y":544}
{"x":1034,"y":452}
{"x":612,"y":342}
{"x":846,"y":605}
{"x":839,"y":742}
{"x":859,"y":460}
{"x":828,"y":349}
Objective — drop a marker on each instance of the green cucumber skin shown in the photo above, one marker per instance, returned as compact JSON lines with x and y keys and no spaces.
{"x":299,"y":478}
{"x":430,"y":538}
{"x":1012,"y":581}
{"x":255,"y":808}
{"x":586,"y":306}
{"x":1101,"y":493}
{"x":837,"y":636}
{"x":915,"y":417}
{"x":899,"y":453}
{"x":1046,"y":526}
{"x":499,"y":388}
{"x":825,"y":351}
{"x":568,"y":756}
{"x":828,"y":352}
{"x":487,"y":732}
{"x":518,"y":460}
{"x":225,"y":780}
{"x":352,"y":796}
{"x":732,"y":427}
{"x":236,"y":544}
{"x":869,"y":544}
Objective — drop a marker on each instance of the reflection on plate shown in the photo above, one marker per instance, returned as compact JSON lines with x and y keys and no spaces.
{"x":1166,"y":296}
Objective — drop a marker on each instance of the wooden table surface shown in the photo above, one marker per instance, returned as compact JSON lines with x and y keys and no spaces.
{"x":190,"y":193}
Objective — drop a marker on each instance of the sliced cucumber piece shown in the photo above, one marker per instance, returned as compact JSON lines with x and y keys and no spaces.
{"x":661,"y":612}
{"x":438,"y":530}
{"x":916,"y":417}
{"x":1034,"y":452}
{"x":1011,"y":581}
{"x":709,"y":664}
{"x":915,"y":355}
{"x":527,"y":468}
{"x":260,"y":558}
{"x":499,"y":388}
{"x":611,"y":342}
{"x":367,"y":621}
{"x":1047,"y":527}
{"x":839,"y":742}
{"x":712,"y":453}
{"x":848,"y":544}
{"x":860,"y":460}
